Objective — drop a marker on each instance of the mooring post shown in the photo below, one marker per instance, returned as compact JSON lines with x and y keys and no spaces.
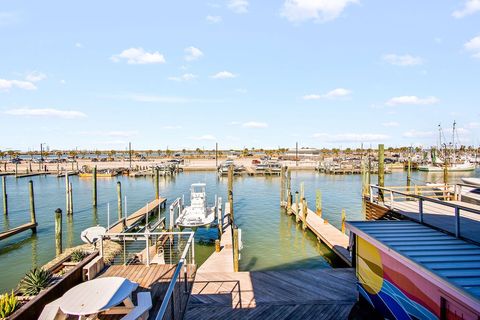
{"x":409,"y":173}
{"x":58,"y":231}
{"x":67,"y":193}
{"x":94,"y":179}
{"x":344,"y":218}
{"x":282,"y":187}
{"x":235,"y":248}
{"x":33,"y":219}
{"x":70,"y":199}
{"x":318,"y":203}
{"x":157,"y":184}
{"x":230,"y":192}
{"x":5,"y":196}
{"x":119,"y":200}
{"x":297,"y":207}
{"x":305,"y":212}
{"x":381,"y":171}
{"x":217,"y":245}
{"x":16,"y":169}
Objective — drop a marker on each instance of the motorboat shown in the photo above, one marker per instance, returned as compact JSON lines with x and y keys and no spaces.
{"x":472,"y":181}
{"x":198,"y":213}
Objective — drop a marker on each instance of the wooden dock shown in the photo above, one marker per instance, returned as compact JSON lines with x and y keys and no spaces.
{"x":155,"y":279}
{"x":14,"y":231}
{"x":221,"y":261}
{"x":32,"y":174}
{"x":295,"y":294}
{"x":335,"y":239}
{"x":137,"y":216}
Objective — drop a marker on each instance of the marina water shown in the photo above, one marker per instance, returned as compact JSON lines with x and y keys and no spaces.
{"x":271,"y":239}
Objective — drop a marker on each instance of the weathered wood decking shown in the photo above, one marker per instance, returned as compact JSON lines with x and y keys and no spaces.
{"x":335,"y":239}
{"x":155,"y":279}
{"x":296,"y":294}
{"x":14,"y":231}
{"x":135,"y":217}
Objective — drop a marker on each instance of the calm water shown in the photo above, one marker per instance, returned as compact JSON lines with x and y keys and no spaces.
{"x":271,"y":239}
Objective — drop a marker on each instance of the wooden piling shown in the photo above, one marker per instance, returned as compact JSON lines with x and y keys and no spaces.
{"x":67,"y":193}
{"x":297,"y":207}
{"x":16,"y":169}
{"x":70,"y":199}
{"x":282,"y":187}
{"x":94,"y":181}
{"x":409,"y":173}
{"x":58,"y":231}
{"x":318,"y":203}
{"x":235,"y":248}
{"x":230,"y":192}
{"x":305,"y":212}
{"x":344,"y":218}
{"x":381,"y":170}
{"x":217,"y":245}
{"x":119,"y":200}
{"x":33,"y":219}
{"x":157,"y":184}
{"x":5,"y":196}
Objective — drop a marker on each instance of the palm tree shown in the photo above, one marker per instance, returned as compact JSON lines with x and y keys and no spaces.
{"x":2,"y":154}
{"x":168,"y":152}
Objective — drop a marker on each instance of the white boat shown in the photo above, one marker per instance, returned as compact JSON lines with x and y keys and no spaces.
{"x":457,"y":167}
{"x":472,"y":181}
{"x":198,"y":214}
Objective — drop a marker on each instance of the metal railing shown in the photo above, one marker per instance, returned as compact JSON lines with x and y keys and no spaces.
{"x":171,"y":301}
{"x":396,"y":195}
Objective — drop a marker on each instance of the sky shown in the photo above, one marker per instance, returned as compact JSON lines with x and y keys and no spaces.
{"x":243,"y":73}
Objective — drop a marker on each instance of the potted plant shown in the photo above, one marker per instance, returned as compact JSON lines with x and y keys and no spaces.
{"x":35,"y":281}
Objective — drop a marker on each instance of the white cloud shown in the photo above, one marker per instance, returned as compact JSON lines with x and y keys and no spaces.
{"x":35,"y":76}
{"x":47,"y":112}
{"x":402,"y":60}
{"x":172,"y":127}
{"x":208,"y":137}
{"x":6,"y":85}
{"x":411,"y":100}
{"x":78,"y":45}
{"x":155,"y":98}
{"x":192,"y":53}
{"x":254,"y":124}
{"x":334,"y":94}
{"x":213,"y":19}
{"x":470,"y":7}
{"x":351,"y":137}
{"x":418,"y":134}
{"x":390,"y":124}
{"x":224,"y":75}
{"x":472,"y":125}
{"x":63,"y":81}
{"x":473,"y":46}
{"x":238,"y":6}
{"x":139,"y":56}
{"x":318,"y":10}
{"x":184,"y":77}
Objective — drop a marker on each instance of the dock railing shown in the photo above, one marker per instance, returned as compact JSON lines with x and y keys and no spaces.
{"x":441,"y":214}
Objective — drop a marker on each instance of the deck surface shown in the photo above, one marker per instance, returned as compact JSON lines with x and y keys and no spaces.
{"x":296,"y":294}
{"x":441,"y":216}
{"x":153,"y":278}
{"x":137,"y":215}
{"x":328,"y":234}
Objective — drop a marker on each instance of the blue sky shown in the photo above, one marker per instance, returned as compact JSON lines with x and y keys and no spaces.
{"x":243,"y":73}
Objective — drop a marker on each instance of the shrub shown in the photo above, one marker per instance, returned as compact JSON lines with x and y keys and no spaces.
{"x":8,"y":304}
{"x":35,"y":281}
{"x":78,"y":255}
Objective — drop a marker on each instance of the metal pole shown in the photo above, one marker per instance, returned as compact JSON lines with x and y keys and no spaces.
{"x":420,"y":209}
{"x":457,"y":222}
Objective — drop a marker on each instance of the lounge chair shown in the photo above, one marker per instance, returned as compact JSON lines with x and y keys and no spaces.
{"x":144,"y":304}
{"x":52,"y":311}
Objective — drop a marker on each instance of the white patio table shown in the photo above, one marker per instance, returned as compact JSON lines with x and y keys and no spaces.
{"x":97,"y":295}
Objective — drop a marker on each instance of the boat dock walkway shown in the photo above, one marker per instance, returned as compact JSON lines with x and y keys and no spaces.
{"x":335,"y":239}
{"x":292,"y":294}
{"x":221,"y":261}
{"x":137,"y":216}
{"x":19,"y":229}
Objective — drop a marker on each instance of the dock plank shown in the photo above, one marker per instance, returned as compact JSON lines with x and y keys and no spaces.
{"x":137,"y":215}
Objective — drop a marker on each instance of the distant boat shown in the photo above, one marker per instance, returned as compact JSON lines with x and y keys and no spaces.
{"x":456,"y":167}
{"x":100,"y":174}
{"x":198,"y":214}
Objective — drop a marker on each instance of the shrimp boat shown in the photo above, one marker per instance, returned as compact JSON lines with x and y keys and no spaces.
{"x":198,"y":214}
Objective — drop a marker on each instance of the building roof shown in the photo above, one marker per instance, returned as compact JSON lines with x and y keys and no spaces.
{"x":445,"y":256}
